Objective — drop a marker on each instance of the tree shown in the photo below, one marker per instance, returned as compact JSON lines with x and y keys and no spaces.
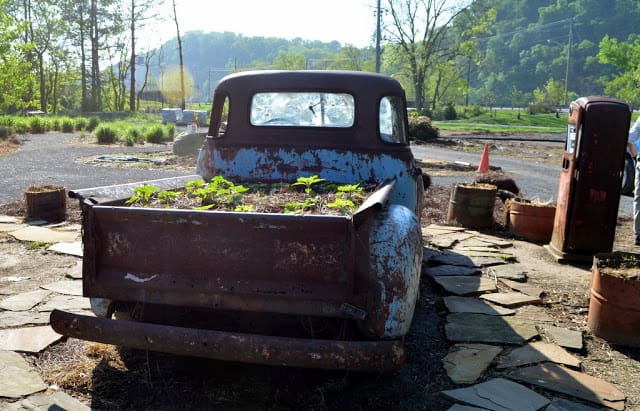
{"x":182,"y":89}
{"x":140,"y":11}
{"x":418,"y":31}
{"x":625,"y":56}
{"x":16,"y":79}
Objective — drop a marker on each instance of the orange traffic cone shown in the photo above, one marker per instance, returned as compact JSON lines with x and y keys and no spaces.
{"x":484,"y":160}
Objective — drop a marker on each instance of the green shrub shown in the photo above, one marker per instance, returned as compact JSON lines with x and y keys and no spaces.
{"x":471,"y":111}
{"x":132,"y":136}
{"x":106,"y":134}
{"x":81,"y":123}
{"x":55,"y":124}
{"x":540,"y":108}
{"x":171,"y":130}
{"x":66,"y":125}
{"x":36,"y":125}
{"x":92,"y":123}
{"x":5,"y":132}
{"x":421,"y":128}
{"x":22,"y":126}
{"x":7,"y":121}
{"x":449,"y":112}
{"x":155,"y":134}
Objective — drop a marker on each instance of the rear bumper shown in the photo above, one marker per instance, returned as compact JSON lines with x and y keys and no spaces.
{"x":371,"y":356}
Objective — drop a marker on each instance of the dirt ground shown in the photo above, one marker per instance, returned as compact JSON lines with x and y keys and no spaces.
{"x":109,"y":378}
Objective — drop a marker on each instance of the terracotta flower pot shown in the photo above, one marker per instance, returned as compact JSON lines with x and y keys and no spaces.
{"x":472,"y":204}
{"x":531,"y":221}
{"x":46,"y":202}
{"x":614,"y":305}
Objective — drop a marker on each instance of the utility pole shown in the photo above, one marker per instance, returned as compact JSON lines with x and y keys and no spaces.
{"x":566,"y":73}
{"x":378,"y":30}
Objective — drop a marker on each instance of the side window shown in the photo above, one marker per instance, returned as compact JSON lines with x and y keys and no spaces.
{"x":391,"y":121}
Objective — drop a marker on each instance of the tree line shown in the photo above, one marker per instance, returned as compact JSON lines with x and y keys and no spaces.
{"x":82,"y":56}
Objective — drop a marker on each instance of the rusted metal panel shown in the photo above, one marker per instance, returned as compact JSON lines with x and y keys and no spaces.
{"x":222,"y":259}
{"x":376,"y":356}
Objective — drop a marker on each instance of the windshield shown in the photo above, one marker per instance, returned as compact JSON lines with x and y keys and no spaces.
{"x":302,"y":109}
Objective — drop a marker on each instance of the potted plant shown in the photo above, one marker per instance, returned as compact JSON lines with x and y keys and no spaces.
{"x":531,"y":220}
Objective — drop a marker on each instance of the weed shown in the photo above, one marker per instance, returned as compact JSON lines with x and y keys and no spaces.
{"x":307,"y":182}
{"x":143,"y":195}
{"x":167,"y":197}
{"x":345,"y":206}
{"x":309,"y":204}
{"x":220,"y":191}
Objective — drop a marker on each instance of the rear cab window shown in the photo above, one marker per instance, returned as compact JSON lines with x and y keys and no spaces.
{"x":302,"y":109}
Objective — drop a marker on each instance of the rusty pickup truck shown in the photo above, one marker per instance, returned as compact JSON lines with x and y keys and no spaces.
{"x":300,"y":290}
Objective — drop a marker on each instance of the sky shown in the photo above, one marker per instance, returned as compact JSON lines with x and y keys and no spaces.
{"x":346,"y":21}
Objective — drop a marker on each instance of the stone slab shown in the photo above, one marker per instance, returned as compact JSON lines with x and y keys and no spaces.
{"x":460,"y":407}
{"x":515,"y":272}
{"x":66,"y":303}
{"x":73,"y":248}
{"x":28,"y":339}
{"x":524,"y":288}
{"x":428,"y":253}
{"x":67,"y":287}
{"x":9,"y":227}
{"x":537,"y":352}
{"x":563,"y":380}
{"x":465,"y":363}
{"x":448,"y":257}
{"x":435,"y":229}
{"x":49,"y":402}
{"x":563,"y":336}
{"x":43,"y":234}
{"x":449,"y":270}
{"x":75,"y":271}
{"x":24,"y":301}
{"x":499,"y":394}
{"x":560,"y":404}
{"x":465,"y":285}
{"x":511,"y":299}
{"x":479,"y":328}
{"x":457,"y":304}
{"x":449,"y":239}
{"x":493,"y":241}
{"x":8,"y":219}
{"x":17,"y":378}
{"x":22,"y":318}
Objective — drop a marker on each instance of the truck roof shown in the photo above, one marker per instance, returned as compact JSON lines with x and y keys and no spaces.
{"x":358,"y":82}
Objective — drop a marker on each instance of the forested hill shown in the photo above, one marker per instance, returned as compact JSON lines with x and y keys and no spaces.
{"x":210,"y":56}
{"x":529,"y":43}
{"x":531,"y":40}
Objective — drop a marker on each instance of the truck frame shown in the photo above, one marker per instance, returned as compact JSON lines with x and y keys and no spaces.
{"x":318,"y":291}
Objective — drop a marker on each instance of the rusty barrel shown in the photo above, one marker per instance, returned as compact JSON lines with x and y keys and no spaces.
{"x":531,"y":221}
{"x":472,"y":205}
{"x":614,"y":305}
{"x":46,"y":202}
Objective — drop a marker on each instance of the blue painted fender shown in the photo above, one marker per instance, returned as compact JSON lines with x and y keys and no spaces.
{"x":395,"y":260}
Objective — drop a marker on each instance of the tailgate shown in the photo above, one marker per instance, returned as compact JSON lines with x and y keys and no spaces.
{"x":249,"y":261}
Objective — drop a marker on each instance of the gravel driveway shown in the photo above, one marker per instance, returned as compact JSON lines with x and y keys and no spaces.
{"x":50,"y":159}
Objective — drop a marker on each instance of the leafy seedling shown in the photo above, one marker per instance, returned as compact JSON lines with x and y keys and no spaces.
{"x":143,"y":195}
{"x":307,"y":182}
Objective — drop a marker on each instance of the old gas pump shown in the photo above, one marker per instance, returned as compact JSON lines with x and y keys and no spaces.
{"x":590,"y":180}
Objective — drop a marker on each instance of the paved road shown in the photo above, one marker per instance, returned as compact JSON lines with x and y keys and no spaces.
{"x":49,"y":159}
{"x":535,"y":180}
